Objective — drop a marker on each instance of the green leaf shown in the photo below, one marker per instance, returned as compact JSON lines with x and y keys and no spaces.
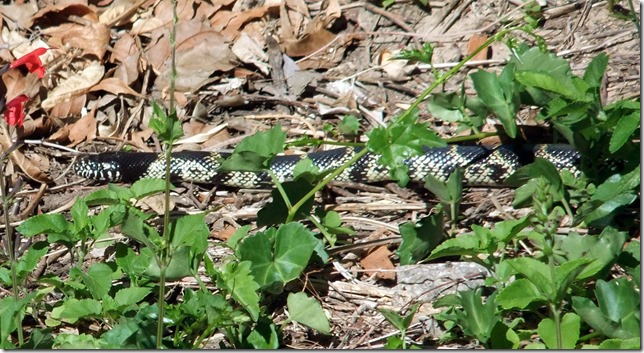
{"x":73,"y":309}
{"x":500,"y":95}
{"x":624,"y":131}
{"x":80,"y":215}
{"x":146,"y":187}
{"x":191,"y":230}
{"x":130,"y":262}
{"x":132,"y":295}
{"x":307,"y":311}
{"x":98,"y":280}
{"x":537,"y":273}
{"x":76,"y":341}
{"x":570,"y":325}
{"x":236,"y":279}
{"x":616,"y":298}
{"x":424,"y":55}
{"x":519,"y":294}
{"x":264,"y":335}
{"x":254,"y":153}
{"x":595,"y":70}
{"x":180,"y":264}
{"x":603,"y":249}
{"x":276,"y":212}
{"x":167,"y":127}
{"x":293,"y":248}
{"x":350,"y":125}
{"x":418,"y":240}
{"x":446,"y":106}
{"x":468,"y":244}
{"x":618,"y":343}
{"x":46,"y":223}
{"x":102,"y":197}
{"x":134,"y":227}
{"x":477,"y":319}
{"x":401,"y":140}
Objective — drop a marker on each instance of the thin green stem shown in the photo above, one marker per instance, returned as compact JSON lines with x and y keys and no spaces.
{"x":280,"y":188}
{"x":328,"y":236}
{"x":163,"y":258}
{"x":293,"y":211}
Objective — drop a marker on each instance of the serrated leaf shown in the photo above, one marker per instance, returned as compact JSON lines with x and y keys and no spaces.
{"x":350,"y":125}
{"x":536,"y":272}
{"x":47,"y":223}
{"x":98,"y":280}
{"x":191,"y":230}
{"x":236,"y":278}
{"x":307,"y":311}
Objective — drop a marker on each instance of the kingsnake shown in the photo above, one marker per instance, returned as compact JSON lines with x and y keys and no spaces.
{"x":483,"y":166}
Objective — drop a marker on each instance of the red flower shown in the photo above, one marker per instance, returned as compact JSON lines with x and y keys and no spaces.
{"x":14,"y":113}
{"x":32,"y":62}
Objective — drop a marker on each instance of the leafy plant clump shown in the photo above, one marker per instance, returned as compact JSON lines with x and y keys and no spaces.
{"x":563,"y":294}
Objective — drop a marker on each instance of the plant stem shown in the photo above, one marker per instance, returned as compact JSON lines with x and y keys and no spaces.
{"x":293,"y":211}
{"x":163,"y":258}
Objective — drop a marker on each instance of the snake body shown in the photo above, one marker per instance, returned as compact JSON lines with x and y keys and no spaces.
{"x":482,"y":166}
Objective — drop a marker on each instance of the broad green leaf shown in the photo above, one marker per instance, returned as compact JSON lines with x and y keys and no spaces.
{"x":46,"y":223}
{"x":264,"y":335}
{"x":98,"y":280}
{"x":276,"y":212}
{"x":146,"y":187}
{"x":603,"y":248}
{"x":467,"y":244}
{"x":236,"y":278}
{"x":180,"y":265}
{"x":102,"y":197}
{"x":618,"y":343}
{"x":73,"y":309}
{"x":293,"y":248}
{"x":350,"y":125}
{"x":519,"y":294}
{"x":28,"y":261}
{"x":233,"y":241}
{"x":503,"y":337}
{"x":595,"y":70}
{"x":546,"y":81}
{"x":566,"y":273}
{"x":536,"y":272}
{"x":254,"y":153}
{"x":418,"y":240}
{"x":447,"y":107}
{"x":134,"y":227}
{"x":624,"y":131}
{"x":500,"y":98}
{"x":80,"y":215}
{"x":307,"y":311}
{"x":191,"y":230}
{"x":76,"y":341}
{"x":617,"y":298}
{"x":570,"y":325}
{"x":131,"y":295}
{"x":130,"y":262}
{"x":478,"y":319}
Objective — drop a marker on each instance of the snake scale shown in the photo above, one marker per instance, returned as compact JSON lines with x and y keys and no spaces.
{"x":482,"y":166}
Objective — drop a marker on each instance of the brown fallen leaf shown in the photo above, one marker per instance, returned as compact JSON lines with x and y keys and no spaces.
{"x":31,"y":169}
{"x":115,"y":86}
{"x":91,"y":38}
{"x":379,"y":260}
{"x":76,"y":85}
{"x":476,"y":41}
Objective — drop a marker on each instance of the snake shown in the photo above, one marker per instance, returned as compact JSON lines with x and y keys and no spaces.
{"x":481,"y":165}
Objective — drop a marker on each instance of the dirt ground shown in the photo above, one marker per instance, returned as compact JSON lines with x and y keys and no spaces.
{"x":343,"y":70}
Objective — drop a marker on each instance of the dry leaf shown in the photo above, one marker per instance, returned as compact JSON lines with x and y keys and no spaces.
{"x":92,"y":38}
{"x":115,"y":86}
{"x":379,"y":260}
{"x":75,"y":86}
{"x":476,"y":41}
{"x":32,"y":170}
